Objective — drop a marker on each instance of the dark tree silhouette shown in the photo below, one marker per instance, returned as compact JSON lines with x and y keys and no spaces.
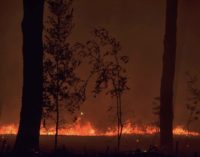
{"x":108,"y":67}
{"x":0,"y":107}
{"x":31,"y":110}
{"x":193,"y":103}
{"x":156,"y":111}
{"x":167,"y":81}
{"x":61,"y":83}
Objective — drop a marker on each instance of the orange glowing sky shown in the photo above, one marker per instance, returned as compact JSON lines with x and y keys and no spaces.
{"x":139,"y":25}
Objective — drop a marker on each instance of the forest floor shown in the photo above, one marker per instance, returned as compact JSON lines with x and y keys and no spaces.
{"x":75,"y":146}
{"x":65,"y":153}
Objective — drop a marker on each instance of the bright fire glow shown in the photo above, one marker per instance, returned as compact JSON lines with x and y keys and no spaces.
{"x":87,"y":129}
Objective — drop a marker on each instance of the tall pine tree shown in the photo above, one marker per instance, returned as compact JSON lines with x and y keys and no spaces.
{"x":31,"y":110}
{"x":168,"y":74}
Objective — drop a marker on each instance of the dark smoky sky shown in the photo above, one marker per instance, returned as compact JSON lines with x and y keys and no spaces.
{"x":139,"y":26}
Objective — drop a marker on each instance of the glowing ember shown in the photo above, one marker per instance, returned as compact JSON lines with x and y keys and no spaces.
{"x":82,"y":113}
{"x":87,"y":129}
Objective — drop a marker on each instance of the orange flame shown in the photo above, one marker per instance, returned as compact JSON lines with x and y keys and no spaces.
{"x":8,"y":129}
{"x":87,"y":129}
{"x":179,"y":130}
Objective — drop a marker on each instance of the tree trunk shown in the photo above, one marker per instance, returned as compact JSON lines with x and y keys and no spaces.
{"x":168,"y":74}
{"x":57,"y":120}
{"x":57,"y":128}
{"x":31,"y":110}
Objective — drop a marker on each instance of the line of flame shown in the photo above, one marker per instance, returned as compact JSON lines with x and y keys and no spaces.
{"x":88,"y":130}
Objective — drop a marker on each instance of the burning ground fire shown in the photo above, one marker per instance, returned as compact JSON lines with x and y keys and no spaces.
{"x":87,"y":129}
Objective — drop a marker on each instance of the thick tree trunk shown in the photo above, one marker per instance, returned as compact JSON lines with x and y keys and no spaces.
{"x":167,"y":81}
{"x":31,"y":110}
